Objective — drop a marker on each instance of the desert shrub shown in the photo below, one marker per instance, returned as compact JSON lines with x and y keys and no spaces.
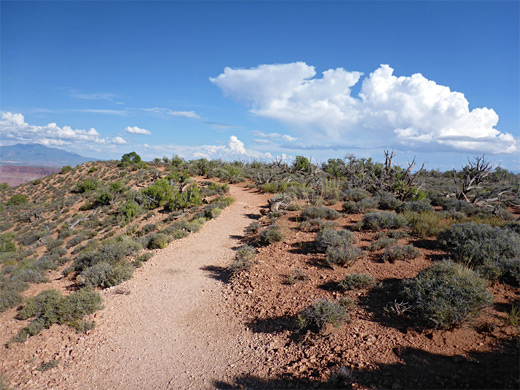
{"x":317,"y":224}
{"x":53,"y":244}
{"x":65,"y":169}
{"x":382,"y":242}
{"x":110,"y":252}
{"x":445,"y":295}
{"x":76,"y":240}
{"x":355,"y":194}
{"x":106,"y":275}
{"x":190,"y":197}
{"x":321,"y":313}
{"x":175,"y":231}
{"x":253,"y":228}
{"x":211,"y":189}
{"x":510,"y":271}
{"x":244,"y":260}
{"x":273,"y":187}
{"x":398,"y":252}
{"x":86,"y":185}
{"x":29,"y":275}
{"x":356,"y":281}
{"x":417,"y":206}
{"x":103,"y":198}
{"x":383,"y":220}
{"x":82,"y":326}
{"x":6,"y":243}
{"x":50,"y":307}
{"x":344,"y":255}
{"x":480,"y":245}
{"x":270,"y":235}
{"x":273,"y":216}
{"x":319,"y":212}
{"x":158,"y":241}
{"x":388,"y":201}
{"x":17,"y":199}
{"x":457,"y":205}
{"x":157,"y":194}
{"x":513,"y":226}
{"x":148,"y":228}
{"x":128,"y":211}
{"x":9,"y":298}
{"x":353,"y":207}
{"x":427,"y":223}
{"x":295,"y":276}
{"x":48,"y":261}
{"x":334,"y":238}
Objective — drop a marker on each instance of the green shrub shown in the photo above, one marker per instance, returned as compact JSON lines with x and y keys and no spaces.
{"x":321,"y":313}
{"x":86,"y":185}
{"x":188,"y":198}
{"x":317,"y":224}
{"x":9,"y":299}
{"x":479,"y":245}
{"x":157,"y":194}
{"x":510,"y":271}
{"x":417,"y":206}
{"x":106,"y":275}
{"x":314,"y":212}
{"x":398,"y":252}
{"x":356,"y":281}
{"x":270,"y":235}
{"x":244,"y":260}
{"x":427,"y":223}
{"x":6,"y":243}
{"x":111,"y":252}
{"x":334,"y":238}
{"x":353,"y":207}
{"x":50,"y":307}
{"x":17,"y":199}
{"x":355,"y":194}
{"x":383,"y":220}
{"x":158,"y":241}
{"x":343,"y":255}
{"x":445,"y":295}
{"x":128,"y":211}
{"x":388,"y":201}
{"x":104,"y":198}
{"x":253,"y":228}
{"x":382,"y":242}
{"x":65,"y":169}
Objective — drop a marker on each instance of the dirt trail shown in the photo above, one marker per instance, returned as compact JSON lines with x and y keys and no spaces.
{"x":169,"y":327}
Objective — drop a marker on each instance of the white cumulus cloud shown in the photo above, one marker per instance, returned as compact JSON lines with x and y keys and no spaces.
{"x":407,"y":111}
{"x":233,"y":150}
{"x":13,"y":128}
{"x":137,"y":130}
{"x":119,"y":141}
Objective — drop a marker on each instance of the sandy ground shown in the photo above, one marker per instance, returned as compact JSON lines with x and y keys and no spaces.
{"x":170,"y":326}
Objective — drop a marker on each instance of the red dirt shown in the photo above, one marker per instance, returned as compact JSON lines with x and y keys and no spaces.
{"x":181,"y":323}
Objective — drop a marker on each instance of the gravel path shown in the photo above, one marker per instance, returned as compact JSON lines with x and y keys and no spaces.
{"x":169,"y":327}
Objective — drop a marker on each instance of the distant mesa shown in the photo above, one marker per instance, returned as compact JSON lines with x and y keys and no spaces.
{"x":22,"y":163}
{"x":37,"y":155}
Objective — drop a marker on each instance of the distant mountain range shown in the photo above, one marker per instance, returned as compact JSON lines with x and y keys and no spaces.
{"x":39,"y":155}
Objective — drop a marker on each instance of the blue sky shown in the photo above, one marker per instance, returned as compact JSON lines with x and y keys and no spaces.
{"x":244,"y":80}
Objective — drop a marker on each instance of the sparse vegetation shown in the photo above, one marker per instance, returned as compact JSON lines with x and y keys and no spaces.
{"x":323,"y":312}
